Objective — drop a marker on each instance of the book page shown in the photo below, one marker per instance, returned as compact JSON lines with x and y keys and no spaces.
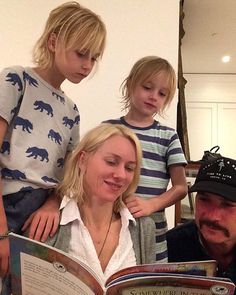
{"x":203,"y":268}
{"x":35,"y":265}
{"x":41,"y":277}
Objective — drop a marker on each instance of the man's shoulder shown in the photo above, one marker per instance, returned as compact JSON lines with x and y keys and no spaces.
{"x":183,"y":243}
{"x":182,"y":231}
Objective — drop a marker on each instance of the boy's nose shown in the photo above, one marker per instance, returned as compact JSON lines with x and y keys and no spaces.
{"x":87,"y":64}
{"x":154,"y":96}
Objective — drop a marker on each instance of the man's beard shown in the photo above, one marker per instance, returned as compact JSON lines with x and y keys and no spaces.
{"x":214,"y":225}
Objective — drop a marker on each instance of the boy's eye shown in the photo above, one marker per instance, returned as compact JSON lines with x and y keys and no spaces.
{"x":163,"y":94}
{"x":95,"y":57}
{"x":80,"y":54}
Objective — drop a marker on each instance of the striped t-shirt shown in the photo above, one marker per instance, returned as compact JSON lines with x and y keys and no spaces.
{"x":161,"y":148}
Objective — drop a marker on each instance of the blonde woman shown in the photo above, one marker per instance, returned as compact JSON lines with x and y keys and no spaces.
{"x":95,"y":225}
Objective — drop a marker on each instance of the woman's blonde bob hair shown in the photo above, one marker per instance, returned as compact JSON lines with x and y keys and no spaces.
{"x":144,"y":70}
{"x":72,"y":184}
{"x":76,"y":27}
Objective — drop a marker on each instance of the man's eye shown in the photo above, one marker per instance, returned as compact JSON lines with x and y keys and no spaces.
{"x":203,"y":199}
{"x":228,"y":205}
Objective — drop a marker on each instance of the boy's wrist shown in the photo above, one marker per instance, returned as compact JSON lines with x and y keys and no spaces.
{"x":5,"y":235}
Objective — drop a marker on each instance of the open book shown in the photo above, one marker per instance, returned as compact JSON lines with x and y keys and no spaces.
{"x":39,"y":269}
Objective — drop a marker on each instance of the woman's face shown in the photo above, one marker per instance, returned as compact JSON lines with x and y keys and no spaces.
{"x":110,"y":170}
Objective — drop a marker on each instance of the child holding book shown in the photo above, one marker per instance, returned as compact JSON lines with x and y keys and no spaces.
{"x":39,"y":124}
{"x":147,"y":91}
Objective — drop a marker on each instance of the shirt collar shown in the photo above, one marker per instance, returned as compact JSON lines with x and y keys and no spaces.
{"x":126,"y":216}
{"x":71,"y":212}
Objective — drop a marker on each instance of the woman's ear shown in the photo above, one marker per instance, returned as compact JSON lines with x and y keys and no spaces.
{"x":52,"y":41}
{"x":82,"y":158}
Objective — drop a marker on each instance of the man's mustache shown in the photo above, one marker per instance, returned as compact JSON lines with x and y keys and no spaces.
{"x":214,"y":225}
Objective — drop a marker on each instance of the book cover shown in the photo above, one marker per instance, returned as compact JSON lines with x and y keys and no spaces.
{"x":39,"y":269}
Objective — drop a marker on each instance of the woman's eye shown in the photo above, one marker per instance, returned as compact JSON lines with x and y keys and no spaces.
{"x":130,"y":168}
{"x":111,"y":162}
{"x":146,"y":87}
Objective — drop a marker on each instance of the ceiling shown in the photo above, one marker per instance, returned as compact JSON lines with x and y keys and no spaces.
{"x":210,"y":33}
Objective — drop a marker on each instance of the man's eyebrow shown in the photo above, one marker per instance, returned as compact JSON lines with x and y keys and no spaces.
{"x":229,"y":202}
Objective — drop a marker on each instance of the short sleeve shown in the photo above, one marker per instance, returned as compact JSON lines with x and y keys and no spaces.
{"x":11,"y":92}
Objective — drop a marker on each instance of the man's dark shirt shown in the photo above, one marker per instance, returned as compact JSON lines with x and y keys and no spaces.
{"x":183,"y":245}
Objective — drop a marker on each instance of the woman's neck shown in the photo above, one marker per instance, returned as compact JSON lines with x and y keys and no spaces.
{"x":96,"y":216}
{"x":104,"y":228}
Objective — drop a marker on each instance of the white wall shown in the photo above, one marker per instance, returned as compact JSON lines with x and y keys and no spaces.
{"x":211,"y":111}
{"x":220,"y":88}
{"x":135,"y":28}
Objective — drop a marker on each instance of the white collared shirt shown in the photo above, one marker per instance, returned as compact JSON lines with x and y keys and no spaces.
{"x":82,"y":247}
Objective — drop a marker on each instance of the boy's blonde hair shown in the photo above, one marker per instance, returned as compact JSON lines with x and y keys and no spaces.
{"x":77,"y":27}
{"x":72,"y":184}
{"x":142,"y":71}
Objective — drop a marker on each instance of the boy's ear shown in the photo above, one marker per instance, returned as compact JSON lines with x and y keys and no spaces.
{"x":52,"y":41}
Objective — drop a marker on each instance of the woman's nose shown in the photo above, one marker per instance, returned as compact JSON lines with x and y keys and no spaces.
{"x":120,"y":172}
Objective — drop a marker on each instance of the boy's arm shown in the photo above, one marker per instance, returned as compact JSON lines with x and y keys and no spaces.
{"x":146,"y":206}
{"x":4,"y":243}
{"x":44,"y":221}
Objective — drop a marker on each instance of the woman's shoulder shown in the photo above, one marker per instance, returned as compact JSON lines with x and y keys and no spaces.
{"x":143,"y":224}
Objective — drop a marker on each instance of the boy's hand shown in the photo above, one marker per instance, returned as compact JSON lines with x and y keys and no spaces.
{"x":44,"y":221}
{"x":138,"y":206}
{"x":4,"y":257}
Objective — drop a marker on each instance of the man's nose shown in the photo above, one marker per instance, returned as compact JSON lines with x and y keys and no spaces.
{"x":214,"y":213}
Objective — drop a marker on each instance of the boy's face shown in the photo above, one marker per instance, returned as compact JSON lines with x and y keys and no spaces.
{"x":73,"y":65}
{"x":148,"y":98}
{"x":215,"y":217}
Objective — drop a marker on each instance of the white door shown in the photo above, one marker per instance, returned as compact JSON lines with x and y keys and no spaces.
{"x":211,"y":124}
{"x":227,"y":129}
{"x":202,"y":127}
